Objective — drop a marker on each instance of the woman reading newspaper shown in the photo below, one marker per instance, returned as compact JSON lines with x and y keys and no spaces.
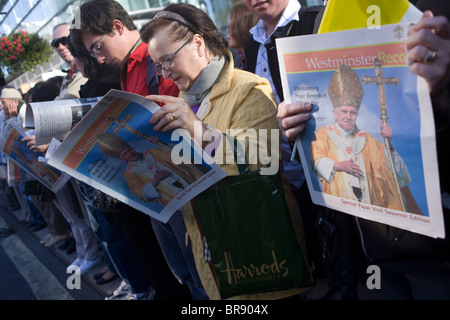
{"x":215,"y":97}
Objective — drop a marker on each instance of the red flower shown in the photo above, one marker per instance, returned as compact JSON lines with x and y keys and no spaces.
{"x":20,"y":52}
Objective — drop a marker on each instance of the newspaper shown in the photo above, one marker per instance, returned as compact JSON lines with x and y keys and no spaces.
{"x":3,"y":172}
{"x":55,"y":119}
{"x":11,"y":144}
{"x":115,"y":150}
{"x":410,"y":198}
{"x":16,"y":174}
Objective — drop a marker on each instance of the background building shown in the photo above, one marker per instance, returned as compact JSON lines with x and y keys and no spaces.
{"x":40,"y":16}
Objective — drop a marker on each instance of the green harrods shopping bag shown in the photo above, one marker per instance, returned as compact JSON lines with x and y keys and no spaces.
{"x":249,"y":234}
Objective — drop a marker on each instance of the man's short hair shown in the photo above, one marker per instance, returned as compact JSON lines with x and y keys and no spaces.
{"x":97,"y":16}
{"x":59,"y":25}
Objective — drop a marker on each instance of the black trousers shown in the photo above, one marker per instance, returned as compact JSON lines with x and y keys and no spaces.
{"x":138,"y":227}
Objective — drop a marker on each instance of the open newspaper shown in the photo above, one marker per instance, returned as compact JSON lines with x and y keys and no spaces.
{"x":115,"y":150}
{"x":55,"y":119}
{"x":369,"y":147}
{"x":11,"y":144}
{"x":16,"y":174}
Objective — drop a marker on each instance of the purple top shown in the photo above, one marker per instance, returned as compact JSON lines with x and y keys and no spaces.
{"x":195,"y":108}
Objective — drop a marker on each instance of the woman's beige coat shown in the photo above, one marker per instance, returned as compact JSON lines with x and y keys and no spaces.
{"x":239,"y":101}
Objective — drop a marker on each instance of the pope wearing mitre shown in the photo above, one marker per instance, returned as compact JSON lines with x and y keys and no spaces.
{"x":349,"y":162}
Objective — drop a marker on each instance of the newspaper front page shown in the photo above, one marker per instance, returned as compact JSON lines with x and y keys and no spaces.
{"x":115,"y":150}
{"x":11,"y":144}
{"x":377,"y":161}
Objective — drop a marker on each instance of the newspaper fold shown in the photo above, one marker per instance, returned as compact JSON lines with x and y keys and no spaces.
{"x":55,"y":119}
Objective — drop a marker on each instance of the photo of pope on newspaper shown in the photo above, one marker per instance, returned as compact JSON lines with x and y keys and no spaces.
{"x":368,"y":147}
{"x":150,"y":174}
{"x":350,"y":162}
{"x":144,"y":160}
{"x":364,"y":166}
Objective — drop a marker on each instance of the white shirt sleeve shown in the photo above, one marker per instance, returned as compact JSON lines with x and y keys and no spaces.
{"x":324,"y":169}
{"x":150,"y":193}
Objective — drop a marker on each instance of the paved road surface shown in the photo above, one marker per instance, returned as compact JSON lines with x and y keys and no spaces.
{"x":30,"y":271}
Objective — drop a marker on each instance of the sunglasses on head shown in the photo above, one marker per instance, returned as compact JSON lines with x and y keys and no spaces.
{"x":55,"y":43}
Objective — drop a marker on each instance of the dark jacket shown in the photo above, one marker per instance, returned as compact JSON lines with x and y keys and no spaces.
{"x":106,"y":79}
{"x":305,"y":25}
{"x":385,"y":243}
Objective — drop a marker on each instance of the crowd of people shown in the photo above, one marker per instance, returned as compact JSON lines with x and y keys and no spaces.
{"x":182,"y":62}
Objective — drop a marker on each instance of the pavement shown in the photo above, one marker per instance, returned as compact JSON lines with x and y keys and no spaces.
{"x":320,"y":292}
{"x":67,"y":258}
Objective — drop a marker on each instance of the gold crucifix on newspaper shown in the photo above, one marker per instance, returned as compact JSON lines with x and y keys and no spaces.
{"x":123,"y":124}
{"x":381,"y":81}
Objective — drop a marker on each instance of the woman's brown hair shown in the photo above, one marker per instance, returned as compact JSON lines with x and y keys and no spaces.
{"x":241,"y":21}
{"x":185,"y":20}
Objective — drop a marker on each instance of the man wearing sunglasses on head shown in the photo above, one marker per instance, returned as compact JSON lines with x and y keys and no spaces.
{"x":74,"y":79}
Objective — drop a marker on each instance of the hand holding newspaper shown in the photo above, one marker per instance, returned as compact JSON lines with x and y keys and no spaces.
{"x":115,"y":150}
{"x":370,"y":138}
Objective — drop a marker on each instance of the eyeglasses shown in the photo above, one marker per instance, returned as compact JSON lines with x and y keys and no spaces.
{"x":55,"y":43}
{"x":168,"y":62}
{"x":96,"y":49}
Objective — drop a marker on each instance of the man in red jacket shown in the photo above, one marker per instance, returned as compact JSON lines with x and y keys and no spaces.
{"x":116,"y":41}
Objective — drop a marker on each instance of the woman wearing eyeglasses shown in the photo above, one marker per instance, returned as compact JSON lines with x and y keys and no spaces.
{"x":215,"y":97}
